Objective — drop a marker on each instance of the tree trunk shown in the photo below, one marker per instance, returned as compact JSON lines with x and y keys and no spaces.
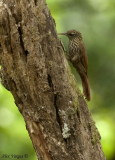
{"x":35,"y":70}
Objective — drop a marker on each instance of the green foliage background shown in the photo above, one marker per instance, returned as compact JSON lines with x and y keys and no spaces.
{"x":95,"y":19}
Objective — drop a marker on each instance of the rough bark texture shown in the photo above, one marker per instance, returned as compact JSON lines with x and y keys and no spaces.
{"x":35,"y":70}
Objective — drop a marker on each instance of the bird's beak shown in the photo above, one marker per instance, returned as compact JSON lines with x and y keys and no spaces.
{"x":65,"y":34}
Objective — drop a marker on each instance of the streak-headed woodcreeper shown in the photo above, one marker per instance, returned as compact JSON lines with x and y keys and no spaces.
{"x":78,"y":57}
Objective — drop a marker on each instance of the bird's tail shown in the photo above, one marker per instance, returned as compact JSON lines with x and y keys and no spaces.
{"x":84,"y":79}
{"x":86,"y":87}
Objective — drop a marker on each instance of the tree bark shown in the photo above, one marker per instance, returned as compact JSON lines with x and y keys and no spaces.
{"x":35,"y":70}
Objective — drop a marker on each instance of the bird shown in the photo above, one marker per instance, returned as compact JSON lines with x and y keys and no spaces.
{"x":78,"y":57}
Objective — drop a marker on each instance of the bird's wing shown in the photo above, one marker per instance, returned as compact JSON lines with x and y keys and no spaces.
{"x":83,"y":56}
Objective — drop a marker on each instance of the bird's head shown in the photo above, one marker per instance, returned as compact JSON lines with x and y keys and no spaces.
{"x":71,"y":34}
